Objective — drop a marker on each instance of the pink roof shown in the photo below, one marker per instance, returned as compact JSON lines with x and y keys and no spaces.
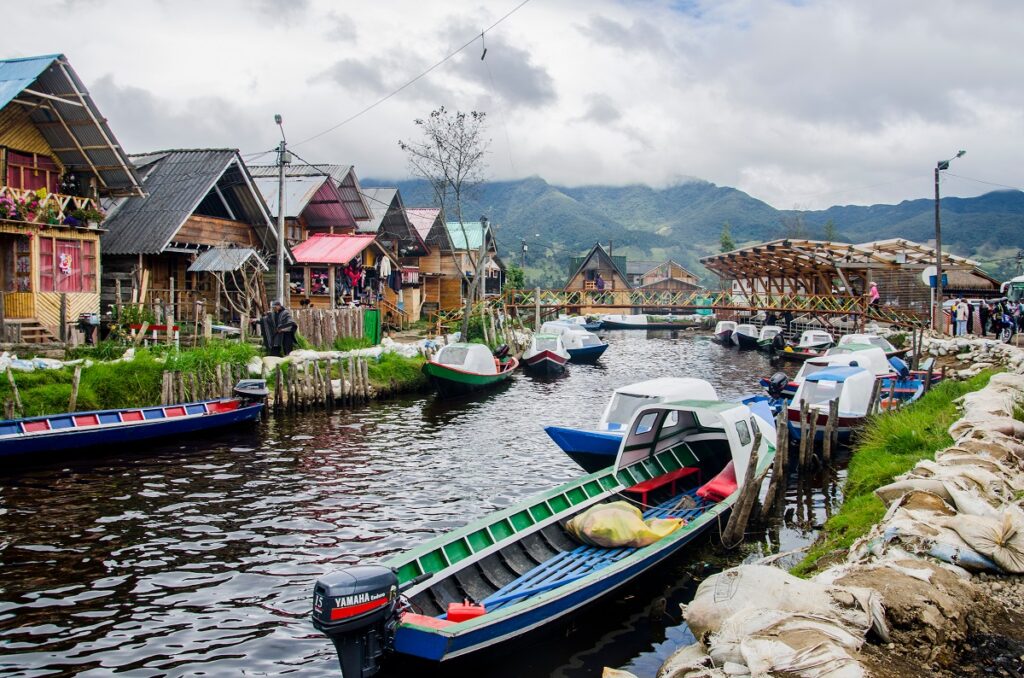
{"x":328,"y":248}
{"x":422,"y":218}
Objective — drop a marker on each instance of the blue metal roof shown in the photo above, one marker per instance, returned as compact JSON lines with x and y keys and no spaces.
{"x":17,"y":74}
{"x":838,"y":374}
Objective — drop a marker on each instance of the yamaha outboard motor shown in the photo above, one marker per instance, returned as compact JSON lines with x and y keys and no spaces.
{"x":899,"y":367}
{"x":777,"y":384}
{"x":357,"y":608}
{"x":252,"y":390}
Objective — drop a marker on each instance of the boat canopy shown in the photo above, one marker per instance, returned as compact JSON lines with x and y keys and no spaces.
{"x":576,"y":338}
{"x":626,"y":319}
{"x":683,"y":424}
{"x":747,"y":329}
{"x":815,"y":338}
{"x":627,"y":399}
{"x":724,"y":325}
{"x":853,"y":386}
{"x":467,"y":357}
{"x":547,"y":342}
{"x":769,"y":332}
{"x":559,"y":327}
{"x":871,"y":339}
{"x":867,"y":356}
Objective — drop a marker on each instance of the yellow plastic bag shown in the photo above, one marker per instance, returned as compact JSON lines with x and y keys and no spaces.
{"x":619,"y":524}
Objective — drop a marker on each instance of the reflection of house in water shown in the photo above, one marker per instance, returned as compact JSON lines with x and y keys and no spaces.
{"x":196,"y":200}
{"x":59,"y":159}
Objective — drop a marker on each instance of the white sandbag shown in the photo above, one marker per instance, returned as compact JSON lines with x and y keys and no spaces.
{"x":1001,"y":539}
{"x":969,"y":500}
{"x":758,"y":586}
{"x":254,"y":367}
{"x":686,"y":661}
{"x":894,"y":490}
{"x":47,"y":364}
{"x":19,"y":365}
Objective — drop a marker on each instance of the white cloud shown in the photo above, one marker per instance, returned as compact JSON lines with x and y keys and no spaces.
{"x":799,"y":103}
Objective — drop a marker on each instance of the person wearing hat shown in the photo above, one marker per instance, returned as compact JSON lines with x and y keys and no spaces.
{"x":283,"y":329}
{"x":876,"y":298}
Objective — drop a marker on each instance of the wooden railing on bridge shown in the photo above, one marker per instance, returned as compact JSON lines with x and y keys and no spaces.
{"x":548,"y":302}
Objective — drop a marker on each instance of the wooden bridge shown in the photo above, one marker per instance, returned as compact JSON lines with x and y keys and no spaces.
{"x":530,"y":306}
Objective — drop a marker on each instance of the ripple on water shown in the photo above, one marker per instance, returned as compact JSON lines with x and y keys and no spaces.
{"x":200,"y":559}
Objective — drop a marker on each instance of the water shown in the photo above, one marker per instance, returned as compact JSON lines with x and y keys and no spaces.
{"x":199,"y":558}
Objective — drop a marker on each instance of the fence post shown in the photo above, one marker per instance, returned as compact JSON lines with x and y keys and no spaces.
{"x":536,"y":309}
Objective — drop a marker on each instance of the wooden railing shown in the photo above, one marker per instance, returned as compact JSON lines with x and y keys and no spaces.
{"x":54,"y":209}
{"x":387,"y":308}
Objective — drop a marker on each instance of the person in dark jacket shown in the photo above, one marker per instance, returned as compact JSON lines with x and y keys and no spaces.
{"x":984,"y":313}
{"x":282,"y":339}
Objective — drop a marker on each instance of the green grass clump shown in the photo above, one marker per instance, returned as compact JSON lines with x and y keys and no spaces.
{"x":890,"y":445}
{"x":351,"y":343}
{"x":394,"y":372}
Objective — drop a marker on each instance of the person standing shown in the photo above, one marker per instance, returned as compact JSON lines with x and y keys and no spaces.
{"x":984,"y":312}
{"x":961,"y":318}
{"x":282,"y":341}
{"x":875,"y":297}
{"x":970,"y":316}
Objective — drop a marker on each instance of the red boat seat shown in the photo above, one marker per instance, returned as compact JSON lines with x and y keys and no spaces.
{"x":721,"y":486}
{"x":424,"y":620}
{"x":223,"y":406}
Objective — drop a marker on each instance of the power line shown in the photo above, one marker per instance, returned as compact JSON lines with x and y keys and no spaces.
{"x":414,"y":80}
{"x":982,"y":181}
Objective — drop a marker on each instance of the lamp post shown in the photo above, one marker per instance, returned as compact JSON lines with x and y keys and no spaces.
{"x":937,"y":314}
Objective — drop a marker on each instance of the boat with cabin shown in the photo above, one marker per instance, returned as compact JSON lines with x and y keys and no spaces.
{"x":648,"y":322}
{"x":812,"y":344}
{"x":723,"y":331}
{"x":771,"y":338}
{"x":745,"y":336}
{"x":595,"y":449}
{"x":872,"y":358}
{"x":39,"y":439}
{"x":874,"y":340}
{"x":583,"y":346}
{"x":463,"y":367}
{"x":519,"y":570}
{"x":852,"y":386}
{"x":546,"y":355}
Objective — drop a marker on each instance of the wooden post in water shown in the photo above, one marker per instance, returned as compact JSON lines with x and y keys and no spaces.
{"x":805,"y":425}
{"x":366,"y":381}
{"x":737,"y":524}
{"x":812,"y":434}
{"x":876,"y":393}
{"x":831,"y":436}
{"x":536,"y":309}
{"x":14,"y":391}
{"x":75,"y":381}
{"x":777,"y":485}
{"x":278,"y":391}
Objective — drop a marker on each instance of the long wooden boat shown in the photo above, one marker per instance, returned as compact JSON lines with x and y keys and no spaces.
{"x":61,"y":433}
{"x":461,"y":368}
{"x":517,"y":570}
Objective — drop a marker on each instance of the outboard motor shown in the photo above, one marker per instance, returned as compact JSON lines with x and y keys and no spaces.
{"x":777,"y":384}
{"x":252,"y":390}
{"x":357,"y":608}
{"x":778,"y":342}
{"x":501,"y":352}
{"x":899,"y":367}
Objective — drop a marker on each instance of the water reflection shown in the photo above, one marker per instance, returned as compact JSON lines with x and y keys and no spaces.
{"x":200,"y":557}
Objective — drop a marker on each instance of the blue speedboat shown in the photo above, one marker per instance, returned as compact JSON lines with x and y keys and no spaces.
{"x":583,"y":346}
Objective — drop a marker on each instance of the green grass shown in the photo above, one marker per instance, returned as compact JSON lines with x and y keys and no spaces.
{"x":889,"y":445}
{"x":392,"y":373}
{"x":351,"y":343}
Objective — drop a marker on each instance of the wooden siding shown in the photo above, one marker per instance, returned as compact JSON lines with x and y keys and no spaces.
{"x":612,"y":280}
{"x":451,"y":293}
{"x":20,"y":305}
{"x":669,"y":269}
{"x":201,"y":230}
{"x":48,"y":308}
{"x":18,"y":133}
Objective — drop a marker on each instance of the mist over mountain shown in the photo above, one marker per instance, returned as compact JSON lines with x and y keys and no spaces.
{"x":684,"y":222}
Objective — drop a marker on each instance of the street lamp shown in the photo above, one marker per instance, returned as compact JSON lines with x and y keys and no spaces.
{"x":937,"y":315}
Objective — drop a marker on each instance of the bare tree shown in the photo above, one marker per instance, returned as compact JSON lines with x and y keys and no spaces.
{"x":450,"y":156}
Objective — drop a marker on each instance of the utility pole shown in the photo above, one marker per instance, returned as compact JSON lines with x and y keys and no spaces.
{"x":1020,"y":261}
{"x":282,"y":159}
{"x":938,"y":316}
{"x":523,"y":260}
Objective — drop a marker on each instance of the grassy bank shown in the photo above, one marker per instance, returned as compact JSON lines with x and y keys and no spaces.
{"x":889,"y":445}
{"x":393,"y":373}
{"x":134,"y":383}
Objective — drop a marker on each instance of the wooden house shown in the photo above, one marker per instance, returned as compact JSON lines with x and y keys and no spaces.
{"x":437,"y":274}
{"x":58,"y":160}
{"x":668,"y":276}
{"x":395,"y":233}
{"x":196,"y":200}
{"x":466,"y":239}
{"x":323,"y":258}
{"x":584,"y":271}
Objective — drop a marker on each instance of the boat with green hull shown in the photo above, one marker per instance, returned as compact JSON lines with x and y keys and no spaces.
{"x":518,"y":570}
{"x":461,"y":368}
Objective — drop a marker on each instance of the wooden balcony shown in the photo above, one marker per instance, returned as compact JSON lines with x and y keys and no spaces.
{"x":55,"y":209}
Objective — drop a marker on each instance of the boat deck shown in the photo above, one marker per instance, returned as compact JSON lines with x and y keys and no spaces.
{"x":576,"y":563}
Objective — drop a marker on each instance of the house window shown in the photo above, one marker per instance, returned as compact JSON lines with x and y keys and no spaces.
{"x":32,"y":171}
{"x":67,"y":265}
{"x":17,"y":263}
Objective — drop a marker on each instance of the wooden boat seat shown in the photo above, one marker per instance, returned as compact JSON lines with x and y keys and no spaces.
{"x":672,"y":477}
{"x":576,"y":563}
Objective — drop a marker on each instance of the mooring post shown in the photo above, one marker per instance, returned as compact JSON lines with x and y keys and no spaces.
{"x":805,"y":424}
{"x":831,"y":431}
{"x":876,"y":396}
{"x":14,"y":391}
{"x":536,"y":310}
{"x":75,"y":381}
{"x":737,"y":524}
{"x":778,"y":482}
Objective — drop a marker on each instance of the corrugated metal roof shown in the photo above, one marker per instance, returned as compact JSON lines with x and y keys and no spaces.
{"x":328,"y":248}
{"x":176,"y":182}
{"x":225,"y":259}
{"x":471,"y":231}
{"x":68,"y":119}
{"x":314,"y":197}
{"x":391,"y":221}
{"x":344,"y":176}
{"x":381,"y":201}
{"x":422,"y":219}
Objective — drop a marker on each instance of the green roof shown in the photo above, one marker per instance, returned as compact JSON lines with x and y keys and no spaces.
{"x":472,"y":231}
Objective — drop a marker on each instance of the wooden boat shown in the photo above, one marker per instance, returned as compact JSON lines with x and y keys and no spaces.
{"x":723,"y":332}
{"x":793,"y":355}
{"x":546,"y":355}
{"x":583,"y":346}
{"x":645,"y":322}
{"x":853,"y":386}
{"x":580,"y":322}
{"x":461,"y":368}
{"x":874,"y":340}
{"x":766,"y":338}
{"x":517,"y":570}
{"x":815,"y":340}
{"x":869,"y":357}
{"x":596,"y":449}
{"x":745,"y":336}
{"x":61,"y":433}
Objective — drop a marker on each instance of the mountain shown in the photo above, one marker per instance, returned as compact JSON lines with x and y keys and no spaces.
{"x":684,"y":221}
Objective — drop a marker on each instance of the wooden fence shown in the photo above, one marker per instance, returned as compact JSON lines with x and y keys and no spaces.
{"x":321,"y":326}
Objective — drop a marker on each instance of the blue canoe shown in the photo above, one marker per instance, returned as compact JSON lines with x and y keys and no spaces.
{"x":587,"y":354}
{"x":73,"y":431}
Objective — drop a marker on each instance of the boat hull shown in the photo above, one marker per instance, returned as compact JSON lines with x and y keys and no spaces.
{"x":724,"y":337}
{"x":587,"y":354}
{"x":614,"y":325}
{"x":846,"y":425}
{"x":545,"y":363}
{"x":450,"y":382}
{"x":798,"y":356}
{"x":592,"y":450}
{"x":745,"y":341}
{"x":592,"y":326}
{"x":64,"y":440}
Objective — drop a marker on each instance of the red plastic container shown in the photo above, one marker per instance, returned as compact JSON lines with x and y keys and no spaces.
{"x":464,"y":611}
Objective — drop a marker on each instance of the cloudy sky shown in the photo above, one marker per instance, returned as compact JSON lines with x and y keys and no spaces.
{"x":803,"y":104}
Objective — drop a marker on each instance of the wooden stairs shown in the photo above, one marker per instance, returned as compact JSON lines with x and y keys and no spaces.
{"x":27,"y":331}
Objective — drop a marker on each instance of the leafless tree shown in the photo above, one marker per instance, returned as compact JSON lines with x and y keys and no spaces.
{"x":450,"y":156}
